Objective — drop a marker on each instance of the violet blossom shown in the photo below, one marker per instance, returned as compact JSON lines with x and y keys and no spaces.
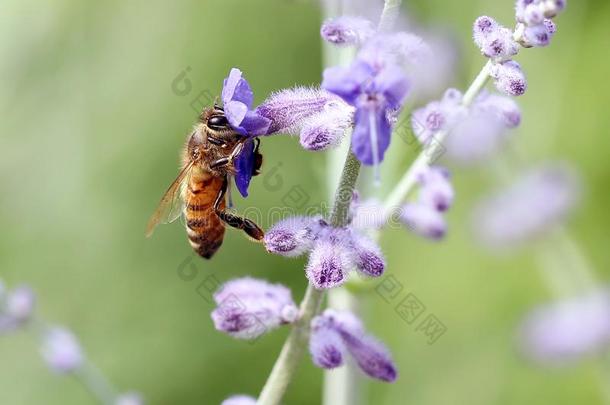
{"x":247,"y":307}
{"x":336,"y":334}
{"x":333,"y":252}
{"x":61,"y":350}
{"x":347,"y":30}
{"x":16,"y":307}
{"x":237,"y":98}
{"x":567,"y":330}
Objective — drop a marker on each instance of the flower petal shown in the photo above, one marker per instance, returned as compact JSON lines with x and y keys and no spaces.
{"x":346,"y":82}
{"x":244,"y":165}
{"x":368,"y":120}
{"x":236,"y":88}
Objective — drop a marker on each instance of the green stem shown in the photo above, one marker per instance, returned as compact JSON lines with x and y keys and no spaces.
{"x":286,"y":364}
{"x":433,"y":147}
{"x":389,"y":15}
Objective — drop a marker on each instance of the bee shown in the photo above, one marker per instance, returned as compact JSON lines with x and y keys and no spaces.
{"x":199,"y":192}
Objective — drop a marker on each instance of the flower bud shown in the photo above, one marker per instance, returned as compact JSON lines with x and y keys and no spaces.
{"x":291,"y":237}
{"x":424,"y":220}
{"x":61,"y":350}
{"x":20,"y":303}
{"x":247,"y":307}
{"x":509,"y":78}
{"x":436,"y":190}
{"x":329,"y":262}
{"x":367,"y":256}
{"x":346,"y":30}
{"x":325,"y":344}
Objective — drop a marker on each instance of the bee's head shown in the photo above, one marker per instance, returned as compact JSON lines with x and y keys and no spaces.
{"x":215,"y":119}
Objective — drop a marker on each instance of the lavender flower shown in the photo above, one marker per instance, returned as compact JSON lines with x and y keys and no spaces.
{"x":247,"y":308}
{"x":330,"y":260}
{"x":436,"y":190}
{"x":320,"y":117}
{"x":494,"y":40}
{"x":475,"y":134}
{"x":347,"y":30}
{"x":237,"y":100}
{"x":61,"y":350}
{"x":374,"y":88}
{"x":528,"y":208}
{"x":424,"y":220}
{"x":333,"y":252}
{"x":293,"y":236}
{"x":569,"y":329}
{"x":336,"y":333}
{"x":509,"y":78}
{"x":130,"y":398}
{"x":325,"y":344}
{"x":239,"y":400}
{"x":16,"y":307}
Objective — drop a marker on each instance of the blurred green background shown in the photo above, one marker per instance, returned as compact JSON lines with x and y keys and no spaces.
{"x":90,"y":132}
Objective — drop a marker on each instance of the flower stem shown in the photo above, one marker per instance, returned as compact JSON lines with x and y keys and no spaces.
{"x":432,"y":148}
{"x":292,"y":351}
{"x":389,"y":15}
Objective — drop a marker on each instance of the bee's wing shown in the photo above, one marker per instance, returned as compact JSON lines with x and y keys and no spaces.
{"x":171,"y":204}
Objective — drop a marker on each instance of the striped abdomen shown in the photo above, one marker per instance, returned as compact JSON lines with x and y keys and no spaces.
{"x":204,"y":228}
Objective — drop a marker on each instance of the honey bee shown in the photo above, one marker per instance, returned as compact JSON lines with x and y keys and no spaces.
{"x":199,"y":192}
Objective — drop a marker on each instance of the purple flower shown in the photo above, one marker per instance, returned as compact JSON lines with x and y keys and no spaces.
{"x":424,"y":220}
{"x":438,"y":115}
{"x":494,"y":40}
{"x":528,"y":208}
{"x":336,"y":333}
{"x":130,"y":398}
{"x":237,"y":100}
{"x":347,"y":30}
{"x":504,"y":108}
{"x":293,"y":236}
{"x":320,"y":117}
{"x":61,"y":350}
{"x":435,"y":188}
{"x":333,"y":252}
{"x":539,"y":35}
{"x":16,"y":307}
{"x":373,"y":89}
{"x":329,"y":261}
{"x":247,"y":308}
{"x":509,"y":78}
{"x":325,"y":344}
{"x":569,"y":329}
{"x":239,"y":400}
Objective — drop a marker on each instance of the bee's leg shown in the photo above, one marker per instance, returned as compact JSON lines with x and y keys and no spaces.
{"x":220,"y":162}
{"x":249,"y":227}
{"x":227,"y":160}
{"x":258,"y":159}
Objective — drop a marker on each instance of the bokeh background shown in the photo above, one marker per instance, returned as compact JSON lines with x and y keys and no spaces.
{"x":90,"y":132}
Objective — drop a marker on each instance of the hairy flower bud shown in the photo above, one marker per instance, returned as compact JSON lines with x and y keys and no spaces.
{"x":435,"y":188}
{"x":290,"y":109}
{"x":292,"y":237}
{"x":325,"y":344}
{"x":335,"y":332}
{"x":367,"y":256}
{"x":509,"y":78}
{"x":424,"y":220}
{"x":329,"y":263}
{"x":347,"y":30}
{"x":61,"y":350}
{"x":494,"y":40}
{"x":247,"y":307}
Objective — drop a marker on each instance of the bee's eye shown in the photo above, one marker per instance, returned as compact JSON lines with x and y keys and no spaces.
{"x":218,"y":122}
